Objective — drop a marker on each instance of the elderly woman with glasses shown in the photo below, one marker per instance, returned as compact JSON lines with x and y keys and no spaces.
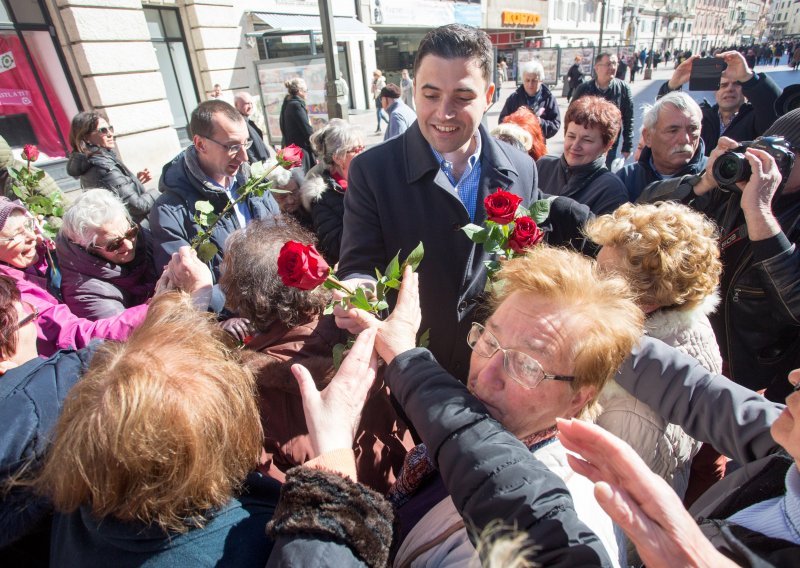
{"x":93,"y":160}
{"x":323,"y":190}
{"x":558,"y":332}
{"x":22,"y":252}
{"x":105,"y":259}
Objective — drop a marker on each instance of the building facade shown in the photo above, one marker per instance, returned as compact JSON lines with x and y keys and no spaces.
{"x":146,"y":66}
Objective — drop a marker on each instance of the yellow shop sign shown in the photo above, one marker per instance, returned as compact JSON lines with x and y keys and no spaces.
{"x":524,"y":19}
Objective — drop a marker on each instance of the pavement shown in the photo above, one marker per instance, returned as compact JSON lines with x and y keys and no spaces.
{"x":644,"y":92}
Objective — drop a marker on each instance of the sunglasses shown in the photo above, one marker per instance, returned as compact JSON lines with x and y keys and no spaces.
{"x":33,"y":315}
{"x":106,"y":130}
{"x":114,"y":244}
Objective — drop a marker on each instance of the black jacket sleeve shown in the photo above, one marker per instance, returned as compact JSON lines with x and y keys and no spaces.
{"x":551,"y":117}
{"x":762,"y":92}
{"x":111,"y":175}
{"x":489,"y":474}
{"x":327,"y":214}
{"x":627,"y":118}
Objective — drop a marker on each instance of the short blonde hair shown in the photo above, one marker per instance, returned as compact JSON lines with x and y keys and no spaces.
{"x":161,"y":429}
{"x":600,"y":301}
{"x":670,"y":253}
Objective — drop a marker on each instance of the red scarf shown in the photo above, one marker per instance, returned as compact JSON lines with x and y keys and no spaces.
{"x":340,"y":180}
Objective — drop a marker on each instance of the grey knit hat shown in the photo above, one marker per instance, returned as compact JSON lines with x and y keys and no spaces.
{"x":787,"y":126}
{"x":6,"y":208}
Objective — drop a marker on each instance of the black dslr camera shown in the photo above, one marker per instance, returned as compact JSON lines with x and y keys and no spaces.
{"x":732,"y":166}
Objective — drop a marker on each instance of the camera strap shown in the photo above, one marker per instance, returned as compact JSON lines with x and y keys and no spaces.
{"x":733,"y":237}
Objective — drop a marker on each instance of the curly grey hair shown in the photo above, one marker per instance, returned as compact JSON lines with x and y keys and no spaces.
{"x":250,"y":279}
{"x":89,"y":211}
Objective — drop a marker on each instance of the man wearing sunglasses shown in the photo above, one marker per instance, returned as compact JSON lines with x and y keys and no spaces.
{"x":212,"y":169}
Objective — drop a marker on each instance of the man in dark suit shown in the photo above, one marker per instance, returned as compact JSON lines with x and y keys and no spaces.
{"x":258,"y":151}
{"x":429,"y":182}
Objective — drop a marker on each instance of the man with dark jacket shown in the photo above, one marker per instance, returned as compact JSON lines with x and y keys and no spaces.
{"x":432,"y":180}
{"x":745,"y":105}
{"x":258,"y":151}
{"x":536,"y":96}
{"x":213,"y":169}
{"x":758,"y":324}
{"x":606,"y":85}
{"x":671,"y":133}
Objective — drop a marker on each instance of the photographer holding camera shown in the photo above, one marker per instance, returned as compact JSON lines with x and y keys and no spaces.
{"x":758,"y":323}
{"x":745,"y":101}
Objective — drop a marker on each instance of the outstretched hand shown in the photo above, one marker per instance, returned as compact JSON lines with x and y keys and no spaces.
{"x":333,"y":414}
{"x":639,"y":501}
{"x":398,"y":333}
{"x":682,"y":73}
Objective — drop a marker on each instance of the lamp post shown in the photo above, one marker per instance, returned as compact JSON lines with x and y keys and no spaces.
{"x":648,"y":72}
{"x":602,"y":21}
{"x":331,"y":60}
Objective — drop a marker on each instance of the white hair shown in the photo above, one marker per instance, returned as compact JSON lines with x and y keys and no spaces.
{"x":508,"y":131}
{"x":532,"y":67}
{"x":677,"y":99}
{"x":89,"y":211}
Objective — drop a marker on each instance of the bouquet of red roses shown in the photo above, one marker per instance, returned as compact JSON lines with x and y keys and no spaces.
{"x":302,"y":266}
{"x":509,"y":228}
{"x":260,"y":181}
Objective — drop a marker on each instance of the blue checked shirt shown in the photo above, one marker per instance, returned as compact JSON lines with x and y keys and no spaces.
{"x":467,"y":186}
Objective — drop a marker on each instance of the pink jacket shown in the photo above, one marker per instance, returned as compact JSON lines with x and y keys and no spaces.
{"x":58,"y":327}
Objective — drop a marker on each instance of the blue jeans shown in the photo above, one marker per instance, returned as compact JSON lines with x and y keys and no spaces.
{"x":380,"y":114}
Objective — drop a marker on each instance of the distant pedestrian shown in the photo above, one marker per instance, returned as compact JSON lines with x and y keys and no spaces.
{"x":378,"y":83}
{"x":634,"y":67}
{"x":407,"y":87}
{"x":622,"y":68}
{"x":796,"y":58}
{"x":574,"y":76}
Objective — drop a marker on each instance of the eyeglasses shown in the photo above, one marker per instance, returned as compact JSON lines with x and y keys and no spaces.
{"x":114,"y":244}
{"x":609,"y":64}
{"x":28,"y":227}
{"x":106,"y":130}
{"x":33,"y":315}
{"x":356,"y":150}
{"x":524,"y":369}
{"x":232,"y":149}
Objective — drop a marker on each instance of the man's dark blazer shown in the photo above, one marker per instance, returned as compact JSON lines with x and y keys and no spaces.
{"x":392,"y":203}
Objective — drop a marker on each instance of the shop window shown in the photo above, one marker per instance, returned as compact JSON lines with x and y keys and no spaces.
{"x":37,"y":98}
{"x":173,"y":62}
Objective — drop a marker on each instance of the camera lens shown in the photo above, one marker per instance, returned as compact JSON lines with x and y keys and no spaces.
{"x":730,"y":168}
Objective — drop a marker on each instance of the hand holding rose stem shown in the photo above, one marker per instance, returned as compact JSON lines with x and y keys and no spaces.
{"x":289,"y":157}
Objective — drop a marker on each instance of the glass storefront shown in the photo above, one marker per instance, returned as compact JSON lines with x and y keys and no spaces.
{"x":37,"y":99}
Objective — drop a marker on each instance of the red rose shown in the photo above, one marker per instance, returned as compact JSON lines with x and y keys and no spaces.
{"x":291,"y":157}
{"x":525,"y":234}
{"x":501,"y":206}
{"x":30,"y":152}
{"x":301,"y":266}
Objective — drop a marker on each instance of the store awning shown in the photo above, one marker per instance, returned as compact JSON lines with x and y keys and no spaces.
{"x":347,"y":28}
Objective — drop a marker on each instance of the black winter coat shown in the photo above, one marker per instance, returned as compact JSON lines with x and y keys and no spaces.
{"x":550,"y":119}
{"x":591,"y":184}
{"x":753,"y":118}
{"x":618,"y":93}
{"x":103,"y":169}
{"x":758,"y":324}
{"x":393,"y":202}
{"x":258,"y":151}
{"x":574,"y":76}
{"x":327,"y":212}
{"x":296,"y":128}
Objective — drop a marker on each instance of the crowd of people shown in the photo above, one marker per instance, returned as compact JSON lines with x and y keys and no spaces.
{"x":612,"y":396}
